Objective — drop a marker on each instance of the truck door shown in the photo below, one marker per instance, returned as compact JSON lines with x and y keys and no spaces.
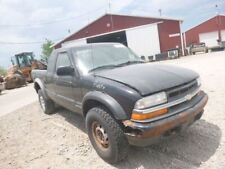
{"x":64,"y":84}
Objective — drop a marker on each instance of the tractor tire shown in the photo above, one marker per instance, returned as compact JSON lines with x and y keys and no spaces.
{"x":47,"y":105}
{"x":106,"y":135}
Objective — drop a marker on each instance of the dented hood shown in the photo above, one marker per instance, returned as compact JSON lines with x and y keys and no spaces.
{"x":149,"y":78}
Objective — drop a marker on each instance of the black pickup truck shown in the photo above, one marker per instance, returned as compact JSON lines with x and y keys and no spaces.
{"x":124,"y":101}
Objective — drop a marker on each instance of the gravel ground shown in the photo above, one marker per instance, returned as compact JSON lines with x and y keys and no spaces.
{"x":31,"y":139}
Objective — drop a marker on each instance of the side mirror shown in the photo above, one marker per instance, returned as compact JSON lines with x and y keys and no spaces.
{"x":65,"y":71}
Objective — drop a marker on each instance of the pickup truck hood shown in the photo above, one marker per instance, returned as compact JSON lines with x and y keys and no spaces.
{"x":149,"y":78}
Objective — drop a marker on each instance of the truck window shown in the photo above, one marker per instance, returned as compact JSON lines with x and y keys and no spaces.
{"x":63,"y":60}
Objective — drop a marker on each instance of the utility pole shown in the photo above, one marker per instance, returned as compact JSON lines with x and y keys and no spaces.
{"x":217,"y":9}
{"x":160,"y":12}
{"x":109,"y":6}
{"x":218,"y":22}
{"x":111,"y":17}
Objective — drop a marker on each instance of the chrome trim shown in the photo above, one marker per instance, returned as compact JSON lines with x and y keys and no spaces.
{"x":78,"y":104}
{"x":170,"y":104}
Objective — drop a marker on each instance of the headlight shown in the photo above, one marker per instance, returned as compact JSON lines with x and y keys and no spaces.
{"x":199,"y":81}
{"x":150,"y":101}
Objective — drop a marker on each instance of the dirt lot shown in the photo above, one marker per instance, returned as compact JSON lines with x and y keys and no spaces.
{"x":30,"y":139}
{"x":11,"y":100}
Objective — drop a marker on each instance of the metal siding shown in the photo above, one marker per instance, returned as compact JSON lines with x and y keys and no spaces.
{"x":119,"y":22}
{"x":166,"y":29}
{"x":223,"y":35}
{"x":101,"y":26}
{"x":214,"y":24}
{"x":74,"y":43}
{"x":144,"y":40}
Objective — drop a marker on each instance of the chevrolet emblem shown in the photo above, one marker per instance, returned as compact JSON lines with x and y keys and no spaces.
{"x":188,"y":97}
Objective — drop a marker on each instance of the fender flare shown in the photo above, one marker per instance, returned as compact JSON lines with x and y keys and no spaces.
{"x":41,"y":85}
{"x":108,"y":101}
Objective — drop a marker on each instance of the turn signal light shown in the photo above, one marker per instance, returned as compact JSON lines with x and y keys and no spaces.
{"x":141,"y":116}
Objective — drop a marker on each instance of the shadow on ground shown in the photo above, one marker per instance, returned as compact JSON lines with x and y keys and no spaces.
{"x":185,"y":150}
{"x":73,"y":118}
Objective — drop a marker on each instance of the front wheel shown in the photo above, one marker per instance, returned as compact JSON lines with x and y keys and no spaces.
{"x":106,"y":135}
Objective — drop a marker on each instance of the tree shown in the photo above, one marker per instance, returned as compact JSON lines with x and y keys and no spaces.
{"x":46,"y":49}
{"x":2,"y":71}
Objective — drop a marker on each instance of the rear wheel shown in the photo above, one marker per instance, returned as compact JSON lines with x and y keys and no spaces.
{"x":106,"y":135}
{"x":47,"y":105}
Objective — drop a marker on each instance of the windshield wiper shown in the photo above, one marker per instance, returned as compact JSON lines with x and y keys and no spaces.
{"x":130,"y":62}
{"x":119,"y":65}
{"x":103,"y":67}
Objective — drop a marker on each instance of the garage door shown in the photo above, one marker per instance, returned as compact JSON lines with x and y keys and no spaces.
{"x":117,"y":37}
{"x":223,"y":35}
{"x":74,"y":43}
{"x":210,"y":39}
{"x":144,"y":40}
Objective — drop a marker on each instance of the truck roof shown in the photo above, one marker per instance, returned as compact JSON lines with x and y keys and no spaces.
{"x":23,"y":53}
{"x":87,"y":45}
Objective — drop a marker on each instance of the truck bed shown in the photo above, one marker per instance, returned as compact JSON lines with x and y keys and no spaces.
{"x":38,"y":74}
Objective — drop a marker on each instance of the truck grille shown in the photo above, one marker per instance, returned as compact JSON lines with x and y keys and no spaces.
{"x":179,"y":99}
{"x":181,"y":91}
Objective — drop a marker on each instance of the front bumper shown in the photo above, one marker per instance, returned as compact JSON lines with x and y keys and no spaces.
{"x":143,"y":134}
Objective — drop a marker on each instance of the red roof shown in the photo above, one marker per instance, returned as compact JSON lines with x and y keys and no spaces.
{"x":112,"y":22}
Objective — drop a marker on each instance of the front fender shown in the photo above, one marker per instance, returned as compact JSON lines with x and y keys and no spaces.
{"x":108,"y":101}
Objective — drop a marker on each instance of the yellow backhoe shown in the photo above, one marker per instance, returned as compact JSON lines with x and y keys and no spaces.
{"x":20,"y":73}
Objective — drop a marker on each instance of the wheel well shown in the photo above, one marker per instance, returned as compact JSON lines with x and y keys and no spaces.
{"x":36,"y":86}
{"x":89,"y":104}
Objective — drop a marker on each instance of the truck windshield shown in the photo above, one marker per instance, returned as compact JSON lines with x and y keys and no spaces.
{"x":104,"y":56}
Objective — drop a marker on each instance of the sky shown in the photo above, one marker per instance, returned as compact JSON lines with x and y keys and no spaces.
{"x":25,"y":24}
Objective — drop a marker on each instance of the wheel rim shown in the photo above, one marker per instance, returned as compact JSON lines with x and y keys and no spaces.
{"x":42,"y":102}
{"x":100,"y":136}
